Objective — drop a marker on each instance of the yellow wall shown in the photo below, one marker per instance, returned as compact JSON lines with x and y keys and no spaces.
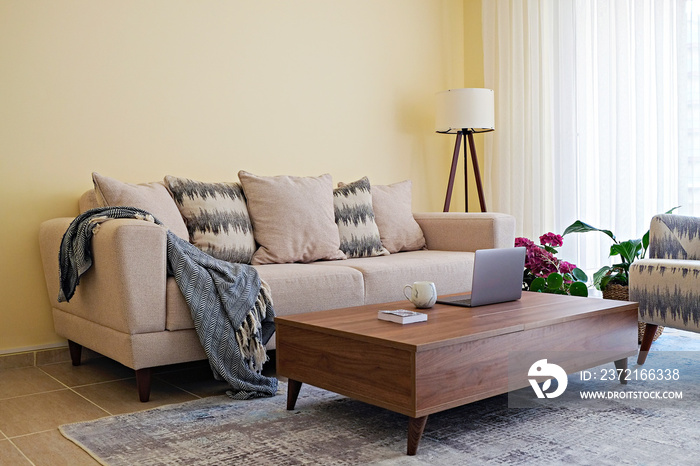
{"x":474,"y":77}
{"x":139,"y":89}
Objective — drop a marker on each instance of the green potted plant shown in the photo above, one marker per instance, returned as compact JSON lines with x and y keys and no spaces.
{"x":609,"y":277}
{"x":625,"y":251}
{"x":613,"y":280}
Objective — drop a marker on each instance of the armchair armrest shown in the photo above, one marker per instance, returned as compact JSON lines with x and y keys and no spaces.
{"x":674,"y":237}
{"x":125,"y":287}
{"x":462,"y":231}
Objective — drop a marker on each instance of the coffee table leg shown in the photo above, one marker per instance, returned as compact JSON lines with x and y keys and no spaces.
{"x":293,"y":388}
{"x":621,"y":364}
{"x":416,"y":425}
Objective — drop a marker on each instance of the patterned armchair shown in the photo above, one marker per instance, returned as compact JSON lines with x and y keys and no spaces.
{"x":667,"y":285}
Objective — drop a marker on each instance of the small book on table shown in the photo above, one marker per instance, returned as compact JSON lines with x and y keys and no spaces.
{"x":402,"y":316}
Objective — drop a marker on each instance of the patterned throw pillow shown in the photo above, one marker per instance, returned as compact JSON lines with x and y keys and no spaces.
{"x":354,"y":215}
{"x":216,"y":217}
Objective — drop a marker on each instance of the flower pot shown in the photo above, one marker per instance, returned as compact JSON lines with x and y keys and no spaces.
{"x":622,"y":293}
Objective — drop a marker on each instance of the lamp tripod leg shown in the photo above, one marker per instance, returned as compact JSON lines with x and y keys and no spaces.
{"x":453,"y":170}
{"x":466,"y":176}
{"x":477,"y":174}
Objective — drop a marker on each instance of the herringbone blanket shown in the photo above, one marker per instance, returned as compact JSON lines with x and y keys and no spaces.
{"x":230,"y":305}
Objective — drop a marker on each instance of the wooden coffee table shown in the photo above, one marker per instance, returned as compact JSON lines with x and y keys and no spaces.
{"x":457,"y":357}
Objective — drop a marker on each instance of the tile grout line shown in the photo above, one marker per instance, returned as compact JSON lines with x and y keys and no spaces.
{"x":110,"y":381}
{"x":80,"y":395}
{"x":179,"y":388}
{"x":63,"y":387}
{"x":85,"y":384}
{"x":115,"y":380}
{"x":9,"y":440}
{"x":33,"y":394}
{"x":31,"y":433}
{"x":21,"y":452}
{"x":36,"y":393}
{"x":92,"y":402}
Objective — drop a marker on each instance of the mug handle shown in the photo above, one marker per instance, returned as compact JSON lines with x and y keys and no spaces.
{"x":408,"y":296}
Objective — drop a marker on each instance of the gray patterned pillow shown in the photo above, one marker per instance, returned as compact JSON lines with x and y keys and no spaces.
{"x":216,"y":216}
{"x":354,"y":215}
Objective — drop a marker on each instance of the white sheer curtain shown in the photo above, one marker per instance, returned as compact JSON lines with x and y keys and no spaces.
{"x":597,"y":115}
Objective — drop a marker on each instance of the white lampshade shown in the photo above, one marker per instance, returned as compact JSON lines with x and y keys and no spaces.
{"x":459,"y":109}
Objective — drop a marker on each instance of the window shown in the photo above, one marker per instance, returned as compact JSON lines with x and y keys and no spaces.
{"x":597,"y":115}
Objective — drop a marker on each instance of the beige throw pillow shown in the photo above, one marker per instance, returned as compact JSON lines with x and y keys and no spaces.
{"x":216,"y":216}
{"x":394,"y":216}
{"x":293,"y":218}
{"x":354,"y":215}
{"x":151,"y":197}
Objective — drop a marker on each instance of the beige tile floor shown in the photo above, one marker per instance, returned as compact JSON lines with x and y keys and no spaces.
{"x":35,"y":400}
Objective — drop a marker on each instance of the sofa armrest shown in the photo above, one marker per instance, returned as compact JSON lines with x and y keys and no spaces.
{"x":125,"y":287}
{"x":462,"y":231}
{"x":674,"y":237}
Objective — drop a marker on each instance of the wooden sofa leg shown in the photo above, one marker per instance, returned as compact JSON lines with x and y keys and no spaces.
{"x":143,"y":383}
{"x":75,"y":352}
{"x":647,"y":340}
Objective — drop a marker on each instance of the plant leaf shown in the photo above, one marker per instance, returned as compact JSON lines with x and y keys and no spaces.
{"x":579,"y":227}
{"x":538,"y":284}
{"x":554,"y":281}
{"x":578,"y":289}
{"x":579,"y":275}
{"x":629,"y":250}
{"x":598,"y":276}
{"x":619,"y":268}
{"x":645,"y":244}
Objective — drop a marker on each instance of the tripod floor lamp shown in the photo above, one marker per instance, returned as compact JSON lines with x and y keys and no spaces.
{"x":464,"y":112}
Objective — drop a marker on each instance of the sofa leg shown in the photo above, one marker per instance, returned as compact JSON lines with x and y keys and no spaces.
{"x":75,"y":352}
{"x":647,"y":340}
{"x":143,"y":383}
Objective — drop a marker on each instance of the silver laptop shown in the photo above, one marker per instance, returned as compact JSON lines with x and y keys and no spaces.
{"x":497,"y":278}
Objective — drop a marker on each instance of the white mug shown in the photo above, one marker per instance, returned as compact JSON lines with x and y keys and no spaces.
{"x":422,"y":294}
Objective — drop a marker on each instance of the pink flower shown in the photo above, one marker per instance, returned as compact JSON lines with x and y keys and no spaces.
{"x":552,"y":240}
{"x":566,"y":267}
{"x":524,"y":242}
{"x":540,"y":262}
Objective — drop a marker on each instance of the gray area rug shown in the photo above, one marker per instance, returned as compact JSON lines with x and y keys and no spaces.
{"x":329,"y":429}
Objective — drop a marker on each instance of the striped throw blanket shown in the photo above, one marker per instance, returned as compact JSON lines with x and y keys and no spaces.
{"x":230,"y":305}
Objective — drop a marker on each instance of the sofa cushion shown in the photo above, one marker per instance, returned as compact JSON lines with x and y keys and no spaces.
{"x":393,"y":213}
{"x":300,"y":288}
{"x":354,"y":215}
{"x":151,"y":197}
{"x":293,"y":218}
{"x":385,"y":276}
{"x":295,"y":288}
{"x":668,"y":292}
{"x":88,"y":201}
{"x":216,"y":217}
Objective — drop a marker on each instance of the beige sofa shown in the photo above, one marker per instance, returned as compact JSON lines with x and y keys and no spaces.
{"x":128,"y":309}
